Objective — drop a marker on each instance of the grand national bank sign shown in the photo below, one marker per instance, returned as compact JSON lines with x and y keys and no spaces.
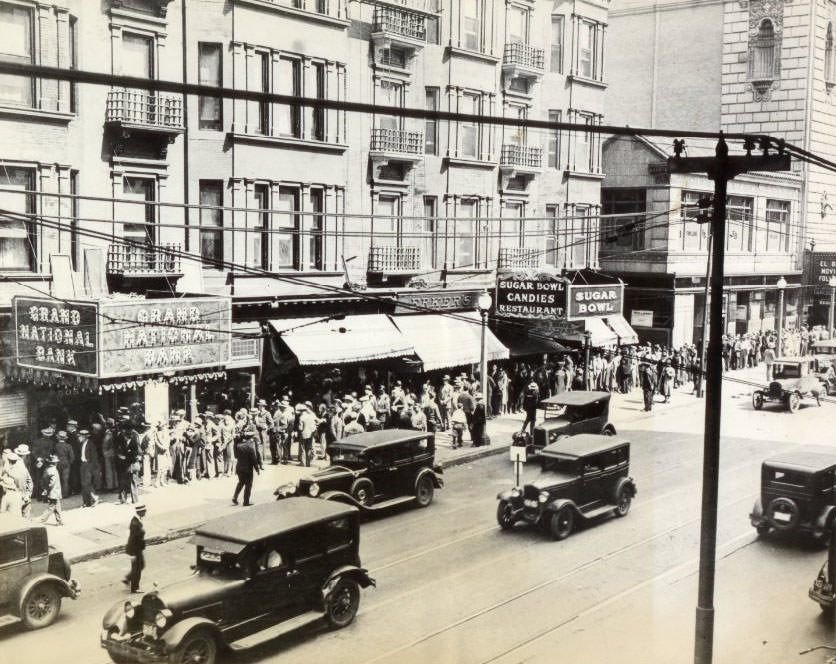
{"x":525,"y":294}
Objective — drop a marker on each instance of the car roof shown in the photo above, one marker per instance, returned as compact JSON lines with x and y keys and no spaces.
{"x":792,"y":360}
{"x":14,"y":524}
{"x":382,"y":438}
{"x":273,"y":518}
{"x":580,"y":398}
{"x":830,"y":343}
{"x":584,"y":444}
{"x":806,"y":457}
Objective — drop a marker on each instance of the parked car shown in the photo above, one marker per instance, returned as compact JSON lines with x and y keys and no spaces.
{"x":375,"y":470}
{"x":797,"y":493}
{"x":824,"y":351}
{"x":257,"y":573}
{"x":793,"y":379}
{"x":34,"y":576}
{"x":821,"y":591}
{"x":581,"y":477}
{"x":567,"y":414}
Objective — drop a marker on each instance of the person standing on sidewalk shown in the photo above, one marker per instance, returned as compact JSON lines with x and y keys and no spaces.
{"x":264,"y":423}
{"x":768,"y":359}
{"x":226,"y":429}
{"x":246,"y":463}
{"x":530,"y":401}
{"x":51,"y":489}
{"x":110,"y":480}
{"x":87,"y":469}
{"x":478,"y":421}
{"x":160,"y":441}
{"x":135,"y":548}
{"x":647,"y":380}
{"x":17,"y":485}
{"x":306,"y":428}
{"x":66,"y":457}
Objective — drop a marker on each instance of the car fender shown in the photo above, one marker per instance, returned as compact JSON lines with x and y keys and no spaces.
{"x":342,"y":496}
{"x":438,"y":483}
{"x":64,"y":588}
{"x":757,"y":510}
{"x":174,"y":636}
{"x":555,"y":505}
{"x":826,"y":517}
{"x":115,"y":617}
{"x":507,"y":495}
{"x":358,"y":574}
{"x":609,"y":427}
{"x":627,"y":482}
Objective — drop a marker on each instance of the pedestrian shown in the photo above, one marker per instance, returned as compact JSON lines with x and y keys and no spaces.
{"x":478,"y":421}
{"x":66,"y":458}
{"x":530,"y":401}
{"x":87,"y":469}
{"x":43,"y":447}
{"x":306,"y":427}
{"x":51,"y":490}
{"x":383,"y":407}
{"x":264,"y":423}
{"x":161,"y":442}
{"x":16,"y":484}
{"x":226,"y":428}
{"x":246,"y":463}
{"x":135,"y":548}
{"x":666,"y":379}
{"x":458,"y":422}
{"x":768,"y":359}
{"x":212,"y":438}
{"x":647,"y":380}
{"x":110,"y":480}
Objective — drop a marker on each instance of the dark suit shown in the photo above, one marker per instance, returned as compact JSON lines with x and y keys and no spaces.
{"x":135,"y":548}
{"x":246,"y":462}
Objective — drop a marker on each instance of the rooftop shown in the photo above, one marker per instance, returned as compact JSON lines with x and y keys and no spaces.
{"x":807,"y":457}
{"x":380,"y":438}
{"x":579,"y":398}
{"x":584,"y":444}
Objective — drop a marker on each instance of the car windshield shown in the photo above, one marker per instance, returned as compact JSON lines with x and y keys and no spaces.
{"x":559,"y":464}
{"x":222,"y":565}
{"x":787,"y":371}
{"x":344,"y":456}
{"x":553,"y":412}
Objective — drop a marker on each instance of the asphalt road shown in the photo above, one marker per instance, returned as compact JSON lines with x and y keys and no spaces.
{"x":452,"y":587}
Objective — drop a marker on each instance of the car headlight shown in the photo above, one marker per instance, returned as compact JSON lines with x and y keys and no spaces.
{"x":543,"y":497}
{"x":313,"y":490}
{"x":161,"y":619}
{"x":130,"y":610}
{"x":515,"y":493}
{"x":287,"y":489}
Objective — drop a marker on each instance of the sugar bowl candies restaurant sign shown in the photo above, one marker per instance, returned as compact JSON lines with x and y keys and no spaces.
{"x":530,"y":295}
{"x":596,"y":301}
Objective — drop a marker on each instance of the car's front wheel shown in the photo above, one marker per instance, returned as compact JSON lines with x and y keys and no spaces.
{"x":505,"y":515}
{"x":623,"y":499}
{"x":363,"y":491}
{"x":199,"y":647}
{"x":562,"y":523}
{"x":342,"y":603}
{"x":424,"y":491}
{"x":793,"y":402}
{"x":41,"y":606}
{"x":757,"y":400}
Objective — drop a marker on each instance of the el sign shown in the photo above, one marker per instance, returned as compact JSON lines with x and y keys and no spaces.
{"x":595,"y":301}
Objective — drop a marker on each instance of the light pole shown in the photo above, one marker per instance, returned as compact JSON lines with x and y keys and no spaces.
{"x":587,"y":342}
{"x":782,"y":284}
{"x":832,"y":283}
{"x":484,"y":303}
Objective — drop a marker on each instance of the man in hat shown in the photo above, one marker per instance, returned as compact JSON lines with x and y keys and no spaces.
{"x":211,"y":440}
{"x":226,"y":440}
{"x":135,"y":548}
{"x":306,"y":426}
{"x":74,"y":484}
{"x":478,"y":421}
{"x":284,"y":421}
{"x":110,"y":478}
{"x":162,"y":452}
{"x":16,"y":483}
{"x":264,"y":423}
{"x":383,"y":406}
{"x":530,"y":401}
{"x":88,"y":468}
{"x":51,"y":489}
{"x":41,"y":449}
{"x":246,"y":462}
{"x":66,"y":456}
{"x":647,"y":380}
{"x":445,"y":396}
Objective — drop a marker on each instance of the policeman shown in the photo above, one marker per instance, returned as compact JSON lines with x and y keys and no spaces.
{"x":264,"y":423}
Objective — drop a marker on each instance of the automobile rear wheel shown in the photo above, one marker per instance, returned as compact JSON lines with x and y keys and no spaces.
{"x":505,"y":515}
{"x":342,"y":603}
{"x":622,"y":501}
{"x":562,"y":522}
{"x":793,"y":402}
{"x":762,"y":529}
{"x":199,"y":647}
{"x":363,"y":491}
{"x":424,"y":491}
{"x":41,"y":606}
{"x":788,"y":511}
{"x":757,"y":400}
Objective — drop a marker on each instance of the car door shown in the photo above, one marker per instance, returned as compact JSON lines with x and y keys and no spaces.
{"x":14,"y":565}
{"x":382,"y":471}
{"x":308,"y":564}
{"x":593,"y":480}
{"x":267,"y":588}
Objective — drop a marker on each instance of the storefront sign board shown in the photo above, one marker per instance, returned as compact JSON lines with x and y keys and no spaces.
{"x":435,"y":301}
{"x":532,"y":295}
{"x":596,"y":301}
{"x":822,"y":268}
{"x":641,"y":318}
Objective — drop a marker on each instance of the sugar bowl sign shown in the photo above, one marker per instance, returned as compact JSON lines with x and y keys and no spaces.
{"x":596,"y":301}
{"x":122,"y":338}
{"x":533,"y":295}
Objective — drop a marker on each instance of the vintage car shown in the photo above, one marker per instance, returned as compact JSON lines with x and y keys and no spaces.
{"x":824,"y":351}
{"x":258,"y":574}
{"x":821,"y":591}
{"x":793,"y":378}
{"x":581,"y":477}
{"x":375,"y":470}
{"x":567,"y":414}
{"x":797,"y":493}
{"x":34,"y":577}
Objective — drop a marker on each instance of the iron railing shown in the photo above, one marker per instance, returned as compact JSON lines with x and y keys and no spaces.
{"x":392,"y":260}
{"x":397,"y":140}
{"x":521,"y":155}
{"x":140,"y":107}
{"x":404,"y":23}
{"x":124,"y":259}
{"x":519,"y":258}
{"x":524,"y":55}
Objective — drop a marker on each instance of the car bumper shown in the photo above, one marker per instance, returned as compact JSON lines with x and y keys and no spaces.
{"x":824,"y":599}
{"x":75,"y":589}
{"x":133,"y":650}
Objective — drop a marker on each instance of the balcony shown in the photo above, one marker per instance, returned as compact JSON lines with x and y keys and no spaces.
{"x":425,"y":7}
{"x":392,"y":265}
{"x":519,"y":258}
{"x":399,"y":28}
{"x":139,"y":119}
{"x":521,"y":158}
{"x":394,"y":152}
{"x":521,"y":61}
{"x":133,"y":266}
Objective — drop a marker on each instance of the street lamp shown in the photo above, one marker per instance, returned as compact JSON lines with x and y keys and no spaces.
{"x":782,"y":284}
{"x":484,"y":303}
{"x":832,"y":283}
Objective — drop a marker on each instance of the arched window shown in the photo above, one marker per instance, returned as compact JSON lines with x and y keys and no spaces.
{"x":763,"y":52}
{"x":828,"y":55}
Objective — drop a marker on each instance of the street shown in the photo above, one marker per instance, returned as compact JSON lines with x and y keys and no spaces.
{"x":453,"y":587}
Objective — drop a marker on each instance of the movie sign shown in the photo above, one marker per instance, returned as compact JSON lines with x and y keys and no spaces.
{"x":530,"y":295}
{"x":822,"y":268}
{"x":57,"y":335}
{"x":597,"y":301}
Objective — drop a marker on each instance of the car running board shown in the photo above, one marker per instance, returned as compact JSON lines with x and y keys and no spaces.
{"x":276,"y":631}
{"x":597,"y":511}
{"x":400,"y":500}
{"x":8,"y":619}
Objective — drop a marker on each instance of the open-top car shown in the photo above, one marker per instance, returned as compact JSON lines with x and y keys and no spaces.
{"x":822,"y":591}
{"x":34,"y":576}
{"x":375,"y":470}
{"x":582,"y":477}
{"x":793,"y":379}
{"x":567,"y":414}
{"x":258,"y":574}
{"x":824,"y":351}
{"x":797,"y":494}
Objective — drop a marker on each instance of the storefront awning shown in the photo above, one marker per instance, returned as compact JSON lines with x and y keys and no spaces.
{"x":444,"y":341}
{"x":316,"y":341}
{"x":626,"y":334}
{"x":523,"y":344}
{"x":601,"y":334}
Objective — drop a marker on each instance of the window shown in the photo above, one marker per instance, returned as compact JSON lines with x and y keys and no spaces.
{"x":517,"y":25}
{"x":548,"y":236}
{"x":777,"y":225}
{"x":260,"y":239}
{"x":426,"y":229}
{"x":391,"y":94}
{"x":627,"y":231}
{"x":469,"y":131}
{"x":285,"y":242}
{"x":828,"y":55}
{"x":210,"y":73}
{"x":553,"y":149}
{"x":763,"y":52}
{"x":431,"y":24}
{"x":694,"y":235}
{"x":517,"y":134}
{"x":511,"y":225}
{"x":75,"y":245}
{"x":392,"y":57}
{"x":577,"y":229}
{"x":465,"y":233}
{"x":315,"y":234}
{"x":287,"y":115}
{"x":211,"y":222}
{"x":137,"y":57}
{"x":73,"y":62}
{"x":431,"y":124}
{"x":16,"y":46}
{"x":585,"y":151}
{"x":385,"y":223}
{"x":518,"y":84}
{"x":318,"y":114}
{"x":13,"y":549}
{"x":471,"y":22}
{"x":586,"y":49}
{"x":557,"y":45}
{"x":738,"y":223}
{"x":18,"y":235}
{"x":138,"y":219}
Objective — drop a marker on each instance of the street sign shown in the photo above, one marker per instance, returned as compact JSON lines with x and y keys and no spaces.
{"x":517,"y":453}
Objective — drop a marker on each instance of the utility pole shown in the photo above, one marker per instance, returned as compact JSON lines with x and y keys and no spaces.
{"x":721,"y":168}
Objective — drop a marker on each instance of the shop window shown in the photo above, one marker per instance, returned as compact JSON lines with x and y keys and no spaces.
{"x":210,"y":73}
{"x":18,"y":233}
{"x":211,"y":222}
{"x":16,"y":46}
{"x":557,"y":45}
{"x":623,"y":232}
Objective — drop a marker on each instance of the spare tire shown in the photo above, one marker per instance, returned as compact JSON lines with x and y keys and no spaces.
{"x":788,"y":511}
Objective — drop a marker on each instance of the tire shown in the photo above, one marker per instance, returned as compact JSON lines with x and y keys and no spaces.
{"x":783,"y":504}
{"x":41,"y":606}
{"x":608,"y":430}
{"x":199,"y":647}
{"x":793,"y":402}
{"x":504,"y":515}
{"x":762,"y":529}
{"x":342,"y":603}
{"x":757,"y":400}
{"x":826,"y":609}
{"x":623,"y":499}
{"x":424,"y":491}
{"x":362,"y":490}
{"x":562,"y":522}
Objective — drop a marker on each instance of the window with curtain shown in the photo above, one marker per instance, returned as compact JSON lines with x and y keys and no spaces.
{"x":387,"y":214}
{"x":316,"y":230}
{"x":390,"y":93}
{"x":828,"y":55}
{"x":586,"y":49}
{"x":469,"y":131}
{"x":471,"y":22}
{"x":553,"y":149}
{"x":211,"y":221}
{"x":517,"y":25}
{"x":139,"y":218}
{"x":627,"y":231}
{"x":18,"y":235}
{"x":137,"y":56}
{"x":16,"y":46}
{"x":739,"y":223}
{"x":465,"y":233}
{"x":763,"y":48}
{"x":431,"y":124}
{"x":210,"y":73}
{"x":287,"y":118}
{"x":258,"y":225}
{"x":284,"y":244}
{"x":548,"y":237}
{"x":585,"y":153}
{"x":777,"y":225}
{"x":318,"y":114}
{"x":557,"y":45}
